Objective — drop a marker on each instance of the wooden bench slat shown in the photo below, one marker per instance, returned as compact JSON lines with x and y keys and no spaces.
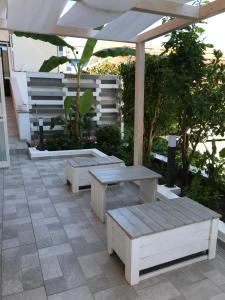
{"x":114,"y":175}
{"x":163,"y":210}
{"x":160,"y":216}
{"x":201,"y":207}
{"x":181,"y":214}
{"x":199,"y":212}
{"x":146,"y":208}
{"x":131,"y":231}
{"x":148,"y":221}
{"x":135,"y":221}
{"x":93,"y":161}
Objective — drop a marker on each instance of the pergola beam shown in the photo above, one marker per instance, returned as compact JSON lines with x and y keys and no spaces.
{"x":206,"y":11}
{"x":168,"y":8}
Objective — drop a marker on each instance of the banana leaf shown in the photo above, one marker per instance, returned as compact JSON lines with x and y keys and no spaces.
{"x":53,"y":62}
{"x":86,"y":102}
{"x":114,"y":52}
{"x":52,"y":39}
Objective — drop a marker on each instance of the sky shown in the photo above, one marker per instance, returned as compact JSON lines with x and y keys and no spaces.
{"x":214,"y":33}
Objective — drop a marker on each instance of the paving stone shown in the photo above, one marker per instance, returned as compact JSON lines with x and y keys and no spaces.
{"x":55,"y":285}
{"x":29,"y":261}
{"x":218,"y":297}
{"x":81,"y":293}
{"x":11,"y":286}
{"x":71,"y":244}
{"x":32,"y":278}
{"x":16,"y":275}
{"x":54,"y":250}
{"x":216,"y":277}
{"x":185,"y":276}
{"x":161,"y":291}
{"x":123,"y":292}
{"x":36,"y":294}
{"x":51,"y":268}
{"x":82,"y":248}
{"x":201,"y":290}
{"x":17,"y":232}
{"x":72,"y":271}
{"x":92,"y":264}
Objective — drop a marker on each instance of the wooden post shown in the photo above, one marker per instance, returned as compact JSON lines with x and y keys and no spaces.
{"x":139,"y":103}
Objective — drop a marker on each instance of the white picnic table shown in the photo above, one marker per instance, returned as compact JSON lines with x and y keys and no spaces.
{"x":101,"y":178}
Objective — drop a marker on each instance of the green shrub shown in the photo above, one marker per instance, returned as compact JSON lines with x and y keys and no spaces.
{"x":203,"y":193}
{"x":160,"y":146}
{"x":62,"y":141}
{"x":108,"y":139}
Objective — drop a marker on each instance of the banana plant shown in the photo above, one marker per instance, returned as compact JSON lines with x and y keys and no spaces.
{"x":83,"y":103}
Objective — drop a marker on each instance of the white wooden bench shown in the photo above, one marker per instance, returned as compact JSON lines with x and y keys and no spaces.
{"x":160,"y":236}
{"x":101,"y":178}
{"x":76,"y":170}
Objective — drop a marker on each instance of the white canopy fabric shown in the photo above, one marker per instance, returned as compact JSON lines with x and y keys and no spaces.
{"x":37,"y":15}
{"x":127,"y":26}
{"x":3,"y":9}
{"x":122,"y":20}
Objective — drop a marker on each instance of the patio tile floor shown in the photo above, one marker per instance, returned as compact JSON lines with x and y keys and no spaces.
{"x":53,"y":247}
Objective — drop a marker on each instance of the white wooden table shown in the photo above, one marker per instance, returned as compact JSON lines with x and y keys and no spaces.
{"x":161,"y":236}
{"x":76,"y":170}
{"x":101,"y":178}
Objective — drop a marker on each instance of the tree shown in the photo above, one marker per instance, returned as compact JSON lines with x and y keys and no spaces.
{"x":158,"y":111}
{"x":197,"y":88}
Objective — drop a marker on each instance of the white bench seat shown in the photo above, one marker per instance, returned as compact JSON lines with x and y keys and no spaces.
{"x":76,"y":170}
{"x":161,"y":236}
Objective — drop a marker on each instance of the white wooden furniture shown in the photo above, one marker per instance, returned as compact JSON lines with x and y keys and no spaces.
{"x":160,"y":236}
{"x":76,"y":170}
{"x":101,"y":178}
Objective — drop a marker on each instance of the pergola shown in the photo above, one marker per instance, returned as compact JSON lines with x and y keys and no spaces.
{"x":131,"y":21}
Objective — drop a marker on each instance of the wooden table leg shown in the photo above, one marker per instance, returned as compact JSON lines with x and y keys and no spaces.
{"x":98,"y":198}
{"x":148,"y":189}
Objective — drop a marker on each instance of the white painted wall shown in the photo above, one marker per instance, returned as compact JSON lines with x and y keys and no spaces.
{"x":4,"y":36}
{"x":21,"y":103}
{"x":29,"y":54}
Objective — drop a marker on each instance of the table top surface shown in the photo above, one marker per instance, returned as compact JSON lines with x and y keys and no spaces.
{"x":159,"y":216}
{"x":122,"y":174}
{"x":93,"y":161}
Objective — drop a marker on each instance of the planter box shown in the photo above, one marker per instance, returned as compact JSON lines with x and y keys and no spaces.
{"x":36,"y":154}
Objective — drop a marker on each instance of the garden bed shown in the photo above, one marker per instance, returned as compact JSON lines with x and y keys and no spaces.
{"x":37,"y":154}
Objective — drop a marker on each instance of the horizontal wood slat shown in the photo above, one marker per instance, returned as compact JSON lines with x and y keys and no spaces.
{"x":47,"y":92}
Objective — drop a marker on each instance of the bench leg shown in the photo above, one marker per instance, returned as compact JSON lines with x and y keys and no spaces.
{"x":213,"y":239}
{"x":132,"y":261}
{"x":98,"y":198}
{"x":75,"y":182}
{"x":148,"y":189}
{"x":109,"y":235}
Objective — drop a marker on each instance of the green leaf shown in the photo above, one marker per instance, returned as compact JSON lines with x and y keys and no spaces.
{"x":52,"y":39}
{"x":88,"y":52}
{"x":67,"y":106}
{"x":114,"y":52}
{"x":222,"y":153}
{"x":86,"y":101}
{"x":56,"y":121}
{"x":53,"y":62}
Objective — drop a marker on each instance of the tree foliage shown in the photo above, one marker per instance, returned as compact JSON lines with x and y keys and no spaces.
{"x":158,"y":110}
{"x":197,"y":87}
